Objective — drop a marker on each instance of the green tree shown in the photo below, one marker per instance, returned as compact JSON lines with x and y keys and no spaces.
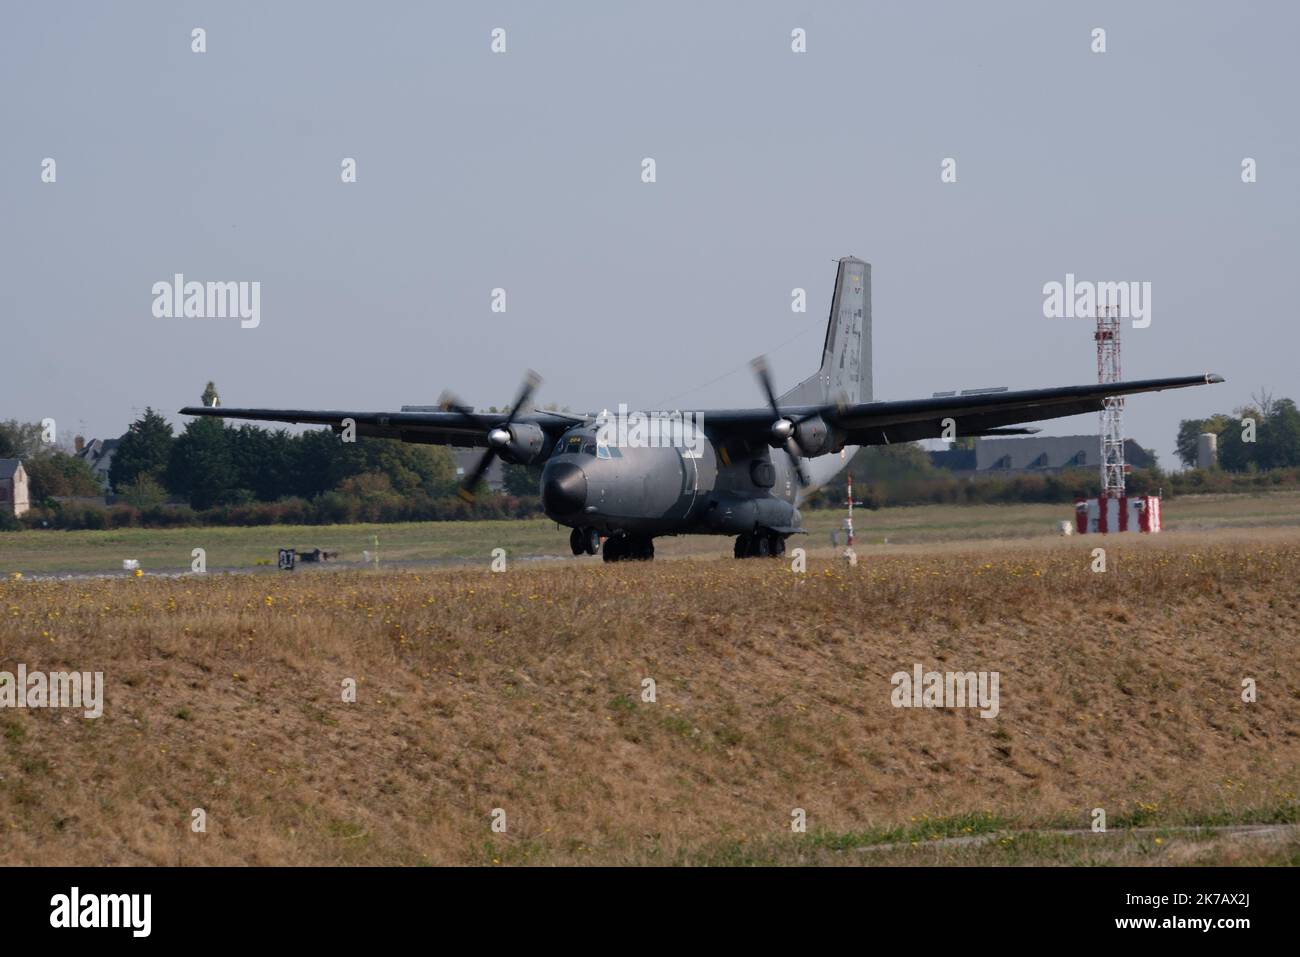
{"x":1279,"y":438}
{"x":319,"y":461}
{"x":411,"y":468}
{"x":57,"y":474}
{"x":886,"y":463}
{"x":20,"y":440}
{"x":143,"y":491}
{"x":50,"y":471}
{"x":1189,"y":431}
{"x":1262,"y":435}
{"x":144,"y":450}
{"x":521,"y":479}
{"x":1276,"y":442}
{"x":1189,"y":436}
{"x":1235,"y":453}
{"x":200,"y":468}
{"x":263,"y":461}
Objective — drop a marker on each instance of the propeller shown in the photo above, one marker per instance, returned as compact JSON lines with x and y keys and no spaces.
{"x":498,"y":436}
{"x":783,"y":429}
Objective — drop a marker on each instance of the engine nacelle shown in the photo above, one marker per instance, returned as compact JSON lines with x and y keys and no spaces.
{"x":521,"y":444}
{"x":815,"y":437}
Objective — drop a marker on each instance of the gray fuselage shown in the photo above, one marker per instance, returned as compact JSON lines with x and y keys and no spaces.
{"x":689,"y":487}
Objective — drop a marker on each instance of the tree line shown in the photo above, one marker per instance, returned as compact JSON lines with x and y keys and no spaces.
{"x":211,"y":463}
{"x":1262,"y":435}
{"x":215,"y":473}
{"x":50,"y":471}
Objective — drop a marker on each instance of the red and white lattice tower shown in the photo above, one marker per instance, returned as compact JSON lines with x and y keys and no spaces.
{"x":1112,"y":413}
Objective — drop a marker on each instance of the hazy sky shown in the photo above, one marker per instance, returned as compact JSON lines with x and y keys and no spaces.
{"x":523,"y":171}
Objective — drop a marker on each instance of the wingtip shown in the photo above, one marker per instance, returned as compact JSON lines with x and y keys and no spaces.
{"x":1212,"y":377}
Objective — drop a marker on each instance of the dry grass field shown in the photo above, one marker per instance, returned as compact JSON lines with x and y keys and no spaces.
{"x":522,"y":691}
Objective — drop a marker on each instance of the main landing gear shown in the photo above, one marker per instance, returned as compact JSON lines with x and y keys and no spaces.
{"x":629,"y":548}
{"x":617,"y":548}
{"x":760,"y":544}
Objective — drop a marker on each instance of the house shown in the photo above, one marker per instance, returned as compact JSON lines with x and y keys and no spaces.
{"x":13,"y":487}
{"x":98,"y":454}
{"x":1035,"y":455}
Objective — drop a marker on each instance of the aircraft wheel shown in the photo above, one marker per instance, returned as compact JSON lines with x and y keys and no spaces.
{"x":592,"y":541}
{"x":642,"y":549}
{"x":614,"y":549}
{"x":762,"y":545}
{"x":742,"y":546}
{"x":577,"y":542}
{"x":778,"y":545}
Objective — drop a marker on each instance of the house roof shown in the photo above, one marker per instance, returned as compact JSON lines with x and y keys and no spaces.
{"x":98,"y":453}
{"x":8,"y":467}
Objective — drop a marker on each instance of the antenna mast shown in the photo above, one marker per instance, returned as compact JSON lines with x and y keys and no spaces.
{"x":848,"y":524}
{"x":1112,"y":413}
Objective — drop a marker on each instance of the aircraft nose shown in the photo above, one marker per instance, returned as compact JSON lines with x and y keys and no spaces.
{"x":565,"y":489}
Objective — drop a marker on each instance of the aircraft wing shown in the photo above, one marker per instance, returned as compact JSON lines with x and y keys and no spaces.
{"x":883,"y":423}
{"x":429,"y":428}
{"x":868,"y":423}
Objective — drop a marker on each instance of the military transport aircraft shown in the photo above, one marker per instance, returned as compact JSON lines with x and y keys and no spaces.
{"x":725,"y":471}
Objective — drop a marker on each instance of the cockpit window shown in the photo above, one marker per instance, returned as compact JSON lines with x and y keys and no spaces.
{"x":579,"y":444}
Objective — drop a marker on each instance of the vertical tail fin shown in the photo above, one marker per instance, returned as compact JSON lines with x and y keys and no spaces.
{"x":845,"y":373}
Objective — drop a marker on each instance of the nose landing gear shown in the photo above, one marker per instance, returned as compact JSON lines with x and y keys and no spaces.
{"x":760,"y":543}
{"x":584,"y":541}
